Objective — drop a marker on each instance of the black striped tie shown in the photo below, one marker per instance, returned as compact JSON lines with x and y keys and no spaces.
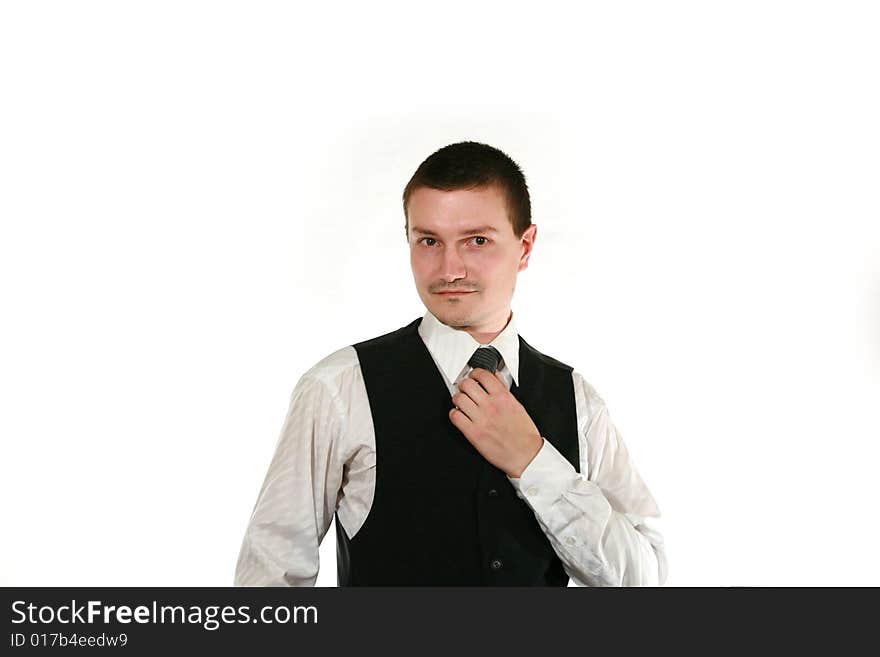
{"x":487,"y":358}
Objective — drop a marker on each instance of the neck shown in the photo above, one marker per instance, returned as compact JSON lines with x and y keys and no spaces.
{"x":484,"y":334}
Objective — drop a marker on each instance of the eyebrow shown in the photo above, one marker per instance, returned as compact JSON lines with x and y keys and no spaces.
{"x":470,"y":231}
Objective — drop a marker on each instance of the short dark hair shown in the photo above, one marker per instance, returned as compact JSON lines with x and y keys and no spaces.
{"x":470,"y":165}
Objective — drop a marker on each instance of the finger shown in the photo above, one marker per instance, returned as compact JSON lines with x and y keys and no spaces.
{"x":474,"y":390}
{"x":491,"y":383}
{"x":459,"y":419}
{"x":466,"y":405}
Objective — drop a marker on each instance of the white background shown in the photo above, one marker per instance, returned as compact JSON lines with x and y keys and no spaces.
{"x":199,"y":200}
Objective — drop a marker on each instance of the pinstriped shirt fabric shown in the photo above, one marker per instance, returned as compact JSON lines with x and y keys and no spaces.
{"x":602,"y":522}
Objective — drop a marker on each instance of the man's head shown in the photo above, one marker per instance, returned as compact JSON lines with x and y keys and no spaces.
{"x":468,"y":224}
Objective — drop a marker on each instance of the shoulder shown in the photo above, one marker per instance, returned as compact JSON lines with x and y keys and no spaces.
{"x":390,"y":338}
{"x":339,"y":373}
{"x":589,"y":402}
{"x":544,"y":359}
{"x":336,"y":374}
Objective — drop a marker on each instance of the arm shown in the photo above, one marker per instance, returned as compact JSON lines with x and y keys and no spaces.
{"x":595,"y":520}
{"x":298,"y":498}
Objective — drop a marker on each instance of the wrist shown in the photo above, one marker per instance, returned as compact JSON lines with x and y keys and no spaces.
{"x":538,"y":444}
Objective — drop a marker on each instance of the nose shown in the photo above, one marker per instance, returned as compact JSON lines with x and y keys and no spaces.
{"x":453,"y":266}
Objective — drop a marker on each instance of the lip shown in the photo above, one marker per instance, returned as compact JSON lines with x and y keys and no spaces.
{"x":455,"y":294}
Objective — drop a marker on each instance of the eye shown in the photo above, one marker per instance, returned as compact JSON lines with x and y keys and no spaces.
{"x":480,"y":237}
{"x":426,"y":239}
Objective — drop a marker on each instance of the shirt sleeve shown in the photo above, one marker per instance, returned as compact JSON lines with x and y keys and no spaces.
{"x":596,"y":522}
{"x":298,"y":498}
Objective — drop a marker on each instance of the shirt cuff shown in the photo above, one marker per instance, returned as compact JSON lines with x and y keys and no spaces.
{"x":546,"y":478}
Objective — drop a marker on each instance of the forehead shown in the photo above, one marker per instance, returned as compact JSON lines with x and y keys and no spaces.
{"x":434,"y":211}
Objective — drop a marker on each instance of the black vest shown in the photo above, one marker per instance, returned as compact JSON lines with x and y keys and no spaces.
{"x":442,"y":515}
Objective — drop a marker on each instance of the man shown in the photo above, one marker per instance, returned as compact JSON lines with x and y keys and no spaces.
{"x":451,"y":451}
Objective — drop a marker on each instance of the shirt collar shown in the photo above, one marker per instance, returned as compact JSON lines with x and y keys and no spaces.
{"x":452,"y":348}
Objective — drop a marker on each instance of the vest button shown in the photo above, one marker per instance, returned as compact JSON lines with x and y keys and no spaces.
{"x":496,"y":564}
{"x":493,"y":492}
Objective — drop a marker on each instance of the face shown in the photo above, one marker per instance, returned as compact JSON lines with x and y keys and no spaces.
{"x":465,"y":257}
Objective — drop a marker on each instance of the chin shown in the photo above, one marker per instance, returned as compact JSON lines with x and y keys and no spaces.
{"x":452,"y":317}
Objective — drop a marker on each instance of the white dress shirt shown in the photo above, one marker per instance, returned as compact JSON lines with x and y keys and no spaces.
{"x":325,"y":462}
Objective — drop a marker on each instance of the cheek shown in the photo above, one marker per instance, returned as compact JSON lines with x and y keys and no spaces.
{"x":495,"y":264}
{"x":420,"y":268}
{"x":500,"y":275}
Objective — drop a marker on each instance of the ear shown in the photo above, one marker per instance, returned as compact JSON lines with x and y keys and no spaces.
{"x":528,"y":243}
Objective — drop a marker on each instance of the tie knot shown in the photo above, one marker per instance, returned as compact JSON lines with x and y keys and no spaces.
{"x":487,"y":358}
